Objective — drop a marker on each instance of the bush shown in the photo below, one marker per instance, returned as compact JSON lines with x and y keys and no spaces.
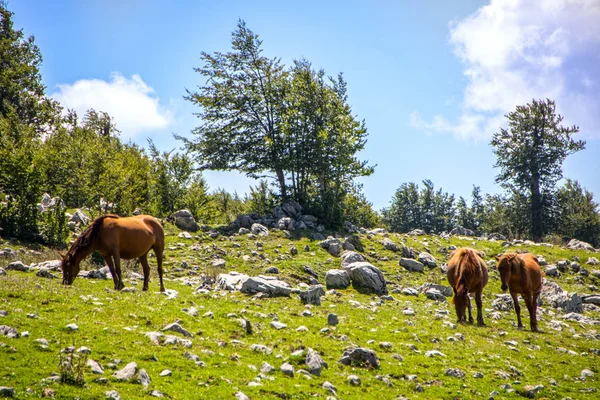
{"x":53,"y":227}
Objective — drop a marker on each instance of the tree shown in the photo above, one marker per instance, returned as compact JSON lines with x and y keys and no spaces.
{"x":358,"y":210}
{"x":578,"y":215}
{"x":241,"y":106}
{"x":530,"y":154}
{"x":21,"y":87}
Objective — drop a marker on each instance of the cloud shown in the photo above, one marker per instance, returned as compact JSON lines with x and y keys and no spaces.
{"x":517,"y":50}
{"x":132,"y":103}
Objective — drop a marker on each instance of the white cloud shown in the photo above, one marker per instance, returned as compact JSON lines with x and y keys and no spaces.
{"x":517,"y":50}
{"x":132,"y":103}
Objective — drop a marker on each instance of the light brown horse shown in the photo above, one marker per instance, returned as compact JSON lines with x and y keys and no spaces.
{"x":521,"y":274}
{"x":467,"y":273}
{"x":115,"y":238}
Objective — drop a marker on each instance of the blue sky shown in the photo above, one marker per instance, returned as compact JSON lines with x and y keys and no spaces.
{"x":432,"y":79}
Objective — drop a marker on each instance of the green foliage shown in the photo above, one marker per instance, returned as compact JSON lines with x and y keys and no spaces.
{"x":199,"y":202}
{"x":427,"y":209}
{"x":261,"y":199}
{"x":530,"y":154}
{"x":228,"y":206}
{"x":72,"y":367}
{"x":578,"y":215}
{"x":53,"y":227}
{"x":359,"y":211}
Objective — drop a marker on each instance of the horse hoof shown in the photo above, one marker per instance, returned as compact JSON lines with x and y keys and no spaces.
{"x":480,"y":324}
{"x":520,"y":327}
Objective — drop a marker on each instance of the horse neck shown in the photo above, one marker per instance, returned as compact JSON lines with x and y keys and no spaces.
{"x":82,"y":252}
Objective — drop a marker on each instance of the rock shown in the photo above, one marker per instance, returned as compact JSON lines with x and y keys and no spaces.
{"x":8,"y":331}
{"x":218,"y":263}
{"x":267,"y":285}
{"x":503,"y":302}
{"x":592,"y":261}
{"x":259,"y":230}
{"x":72,"y":327}
{"x":556,"y":297}
{"x":575,"y":267}
{"x":272,"y":270}
{"x":241,"y":396}
{"x":316,"y":236}
{"x":175,"y":327}
{"x":2,"y":272}
{"x":79,"y":217}
{"x":337,"y":279}
{"x":126,"y":373}
{"x":231,"y":281}
{"x":460,"y":231}
{"x":591,"y":299}
{"x":434,"y":294}
{"x":17,"y":266}
{"x":562,"y":265}
{"x":184,"y":235}
{"x":143,"y":378}
{"x":332,"y":319}
{"x":185,"y":221}
{"x":496,"y":236}
{"x":445,"y":290}
{"x":347,"y":246}
{"x":287,"y":369}
{"x":575,"y":244}
{"x":585,"y":373}
{"x":286,"y":223}
{"x":51,"y":265}
{"x":243,"y":231}
{"x":329,"y":386}
{"x":389,"y":245}
{"x":7,"y":391}
{"x":266,"y":368}
{"x":312,"y":295}
{"x":455,"y":372}
{"x":95,"y":366}
{"x":353,"y":380}
{"x":361,"y":357}
{"x":84,"y":350}
{"x":314,"y":362}
{"x":427,"y":259}
{"x":552,"y":270}
{"x":112,"y":395}
{"x":367,"y":279}
{"x":278,"y":325}
{"x":45,"y":273}
{"x":410,"y":292}
{"x":417,"y":232}
{"x":261,"y":348}
{"x":411,"y":265}
{"x":350,"y":257}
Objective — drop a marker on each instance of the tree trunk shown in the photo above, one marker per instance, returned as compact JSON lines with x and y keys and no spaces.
{"x":281,"y":180}
{"x":536,"y":209}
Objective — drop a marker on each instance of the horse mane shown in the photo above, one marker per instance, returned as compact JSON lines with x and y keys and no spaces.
{"x":86,"y":238}
{"x":467,"y":264}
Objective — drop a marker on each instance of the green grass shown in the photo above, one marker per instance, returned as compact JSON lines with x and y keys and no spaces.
{"x":112,"y":324}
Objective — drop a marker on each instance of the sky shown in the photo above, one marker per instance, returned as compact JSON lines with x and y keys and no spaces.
{"x":432,"y":79}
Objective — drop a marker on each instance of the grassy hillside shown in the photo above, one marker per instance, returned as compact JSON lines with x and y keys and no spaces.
{"x":497,"y":360}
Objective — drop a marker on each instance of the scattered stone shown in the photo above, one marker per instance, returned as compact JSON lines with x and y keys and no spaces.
{"x":367,"y":279}
{"x":455,"y":372}
{"x":434,"y":353}
{"x":434,"y":294}
{"x":575,"y":244}
{"x":241,"y":396}
{"x":312,"y":295}
{"x":7,"y":391}
{"x":328,"y":386}
{"x":95,"y":366}
{"x":17,"y":266}
{"x":72,"y":327}
{"x":157,"y":393}
{"x":175,"y":327}
{"x":315,"y":362}
{"x":389,"y":245}
{"x":184,"y":220}
{"x":267,"y":285}
{"x":266,"y":368}
{"x":585,"y":373}
{"x":259,"y":230}
{"x":126,"y":373}
{"x":278,"y":325}
{"x":166,"y":372}
{"x":112,"y":395}
{"x":410,"y":291}
{"x":385,"y":345}
{"x":427,"y":259}
{"x":411,"y":265}
{"x":143,"y":378}
{"x":332,"y":319}
{"x":552,"y":270}
{"x":261,"y":348}
{"x":592,"y":261}
{"x":353,"y":380}
{"x":287,"y":369}
{"x":360,"y":356}
{"x":417,"y":232}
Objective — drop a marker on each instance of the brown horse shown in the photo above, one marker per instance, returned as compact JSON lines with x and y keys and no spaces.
{"x":467,"y":273}
{"x":521,"y":274}
{"x":115,"y":238}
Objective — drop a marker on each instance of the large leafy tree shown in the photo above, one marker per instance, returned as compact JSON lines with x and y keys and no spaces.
{"x":21,"y":88}
{"x":241,"y":106}
{"x":578,"y":215}
{"x":530,"y":154}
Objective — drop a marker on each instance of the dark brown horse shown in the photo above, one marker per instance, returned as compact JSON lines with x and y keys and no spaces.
{"x":521,"y":274}
{"x":467,"y":273}
{"x":115,"y":238}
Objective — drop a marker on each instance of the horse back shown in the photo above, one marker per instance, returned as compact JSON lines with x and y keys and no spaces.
{"x":532,"y":270}
{"x":132,"y":236}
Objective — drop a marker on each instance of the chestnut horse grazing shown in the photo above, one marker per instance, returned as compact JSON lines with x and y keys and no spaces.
{"x":467,"y":273}
{"x":521,"y":274}
{"x":115,"y":238}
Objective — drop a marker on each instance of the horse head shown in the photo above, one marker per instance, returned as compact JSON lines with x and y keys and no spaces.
{"x":508,"y":264}
{"x":70,"y":268}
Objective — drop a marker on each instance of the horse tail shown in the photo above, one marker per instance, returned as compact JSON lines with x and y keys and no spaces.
{"x":464,"y":273}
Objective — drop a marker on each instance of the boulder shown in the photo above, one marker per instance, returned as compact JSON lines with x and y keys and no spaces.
{"x":367,"y":279}
{"x":185,"y":221}
{"x":314,"y":362}
{"x":267,"y":285}
{"x":312,"y":295}
{"x":79,"y":217}
{"x":18,"y":266}
{"x":592,"y":261}
{"x":552,"y":270}
{"x":337,"y":279}
{"x":460,"y":231}
{"x":389,"y":245}
{"x":230,"y":281}
{"x":496,"y":236}
{"x":350,"y":257}
{"x":427,"y":259}
{"x":444,"y":290}
{"x":556,"y":297}
{"x":126,"y":373}
{"x":259,"y":230}
{"x":411,"y":265}
{"x":575,"y":244}
{"x":417,"y":232}
{"x":591,"y":299}
{"x":286,"y":223}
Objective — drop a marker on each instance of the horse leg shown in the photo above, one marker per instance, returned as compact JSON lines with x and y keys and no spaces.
{"x":158,"y":252}
{"x":479,"y":308}
{"x":146,"y":268}
{"x":111,"y":267}
{"x":470,"y":309}
{"x":515,"y":298}
{"x":531,"y":307}
{"x":535,"y":299}
{"x":117,"y":259}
